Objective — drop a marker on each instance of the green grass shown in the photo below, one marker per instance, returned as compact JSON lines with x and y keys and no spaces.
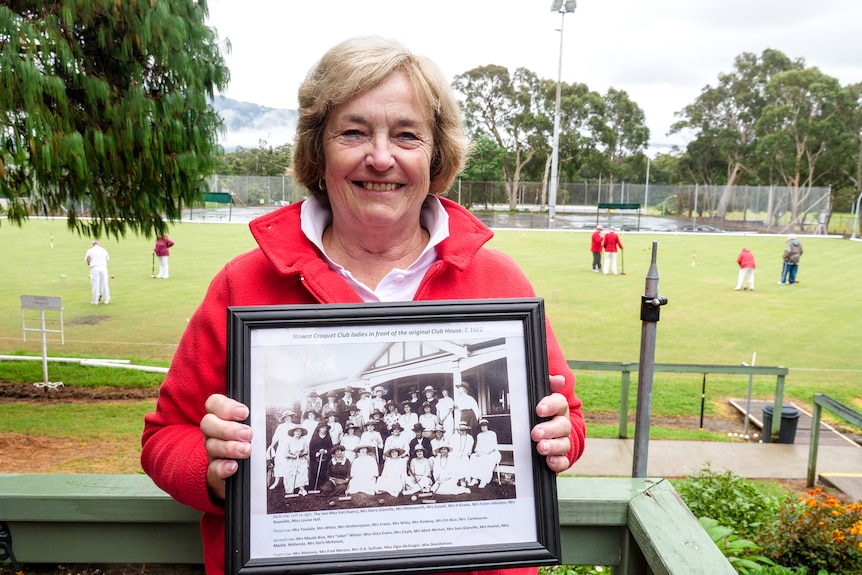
{"x":812,"y":328}
{"x":81,"y":376}
{"x":105,"y":421}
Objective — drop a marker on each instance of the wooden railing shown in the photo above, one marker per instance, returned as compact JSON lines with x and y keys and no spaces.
{"x":626,"y":370}
{"x":638,"y":526}
{"x":848,"y":414}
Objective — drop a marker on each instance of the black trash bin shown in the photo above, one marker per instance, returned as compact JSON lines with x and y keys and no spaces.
{"x":787,"y":428}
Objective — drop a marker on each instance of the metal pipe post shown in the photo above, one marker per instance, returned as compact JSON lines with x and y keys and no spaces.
{"x":651,"y":304}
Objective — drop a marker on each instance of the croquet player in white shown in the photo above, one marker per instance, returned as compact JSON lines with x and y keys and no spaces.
{"x":97,"y":258}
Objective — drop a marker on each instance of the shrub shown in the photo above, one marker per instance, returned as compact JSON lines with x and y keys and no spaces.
{"x":818,"y":532}
{"x":731,"y":500}
{"x":739,"y":552}
{"x":779,"y":570}
{"x":575,"y":570}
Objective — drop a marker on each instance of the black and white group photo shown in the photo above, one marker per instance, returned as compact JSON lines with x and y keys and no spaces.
{"x":402,"y":423}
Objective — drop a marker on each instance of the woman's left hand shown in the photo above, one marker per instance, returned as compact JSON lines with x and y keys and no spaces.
{"x":552,"y":437}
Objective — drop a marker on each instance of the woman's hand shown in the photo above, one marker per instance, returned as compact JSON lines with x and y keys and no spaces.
{"x":226,"y":440}
{"x":552,"y":436}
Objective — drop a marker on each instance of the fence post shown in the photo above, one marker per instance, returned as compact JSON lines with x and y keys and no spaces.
{"x":814,"y":441}
{"x":779,"y":403}
{"x":625,"y":385}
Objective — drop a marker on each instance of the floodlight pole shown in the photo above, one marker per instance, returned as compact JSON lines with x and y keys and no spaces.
{"x":651,"y":304}
{"x":563,"y":8}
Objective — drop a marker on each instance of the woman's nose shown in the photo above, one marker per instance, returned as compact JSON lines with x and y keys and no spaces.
{"x":380,"y":155}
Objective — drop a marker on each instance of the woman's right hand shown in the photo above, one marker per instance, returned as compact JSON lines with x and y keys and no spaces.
{"x":226,"y":440}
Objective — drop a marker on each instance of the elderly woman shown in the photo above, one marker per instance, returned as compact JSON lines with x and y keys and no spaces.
{"x":379,"y":135}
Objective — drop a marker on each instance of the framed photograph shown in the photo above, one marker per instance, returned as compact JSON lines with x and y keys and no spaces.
{"x":390,"y":438}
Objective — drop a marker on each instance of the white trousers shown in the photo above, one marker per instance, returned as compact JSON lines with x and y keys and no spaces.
{"x":99,"y":284}
{"x":163,"y":267}
{"x":745,"y":273}
{"x":610,"y":263}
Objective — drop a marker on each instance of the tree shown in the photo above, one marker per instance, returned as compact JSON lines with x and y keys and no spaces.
{"x":104,"y":110}
{"x":578,"y":112}
{"x":723,"y":118}
{"x":261,"y":161}
{"x":852,"y":116}
{"x":797,"y":127}
{"x":621,"y":133}
{"x":505,"y":108}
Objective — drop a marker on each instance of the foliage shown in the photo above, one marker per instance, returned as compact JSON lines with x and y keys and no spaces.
{"x":622,"y":135}
{"x":819,"y":532}
{"x":486,"y":161}
{"x":781,"y":570}
{"x":739,"y":552}
{"x":574,"y":570}
{"x":797,"y":127}
{"x":730,"y":500}
{"x":772,"y":120}
{"x":814,"y":534}
{"x":261,"y":161}
{"x":506,"y":108}
{"x":105,"y":111}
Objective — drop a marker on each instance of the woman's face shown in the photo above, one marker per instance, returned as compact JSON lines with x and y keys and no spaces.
{"x":378,"y":153}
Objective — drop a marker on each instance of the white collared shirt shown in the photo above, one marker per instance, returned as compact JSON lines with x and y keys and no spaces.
{"x":398,"y":284}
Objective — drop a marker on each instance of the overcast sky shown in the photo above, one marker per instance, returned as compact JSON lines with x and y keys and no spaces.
{"x":661,"y":52}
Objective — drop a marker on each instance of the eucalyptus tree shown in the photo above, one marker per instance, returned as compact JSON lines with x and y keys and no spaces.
{"x":579,"y":109}
{"x":852,"y":114}
{"x":485,"y":163}
{"x":507,"y":109}
{"x":104,"y":110}
{"x":798,"y":127}
{"x":621,"y":135}
{"x":723,"y":118}
{"x":264,"y":160}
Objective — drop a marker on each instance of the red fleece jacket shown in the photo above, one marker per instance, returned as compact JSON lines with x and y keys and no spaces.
{"x":286,"y":268}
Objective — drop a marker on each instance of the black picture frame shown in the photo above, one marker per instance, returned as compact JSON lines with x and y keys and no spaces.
{"x":279,"y":356}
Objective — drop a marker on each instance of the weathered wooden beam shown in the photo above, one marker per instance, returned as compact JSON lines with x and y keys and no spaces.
{"x":639,"y":526}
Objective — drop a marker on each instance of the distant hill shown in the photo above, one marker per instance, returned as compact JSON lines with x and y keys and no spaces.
{"x":247,"y":124}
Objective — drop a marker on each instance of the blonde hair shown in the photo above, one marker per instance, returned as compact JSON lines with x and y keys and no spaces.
{"x":355,"y":66}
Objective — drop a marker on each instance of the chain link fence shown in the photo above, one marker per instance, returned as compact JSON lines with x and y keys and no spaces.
{"x":772,"y":208}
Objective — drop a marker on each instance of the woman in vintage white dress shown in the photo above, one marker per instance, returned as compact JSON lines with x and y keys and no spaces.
{"x":462,"y":448}
{"x":393,"y":478}
{"x":291,"y":460}
{"x":419,"y":473}
{"x":408,"y":418}
{"x":350,"y":441}
{"x":363,"y":471}
{"x":447,"y":472}
{"x":486,"y":456}
{"x":446,"y":412}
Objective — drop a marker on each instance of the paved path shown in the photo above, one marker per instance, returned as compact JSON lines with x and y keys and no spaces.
{"x":837,"y":465}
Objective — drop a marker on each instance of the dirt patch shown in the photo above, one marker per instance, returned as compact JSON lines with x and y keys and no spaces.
{"x":38,"y":454}
{"x":88,"y":320}
{"x":29,"y":393}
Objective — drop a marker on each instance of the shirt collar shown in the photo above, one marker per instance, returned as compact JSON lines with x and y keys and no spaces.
{"x":315,"y":217}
